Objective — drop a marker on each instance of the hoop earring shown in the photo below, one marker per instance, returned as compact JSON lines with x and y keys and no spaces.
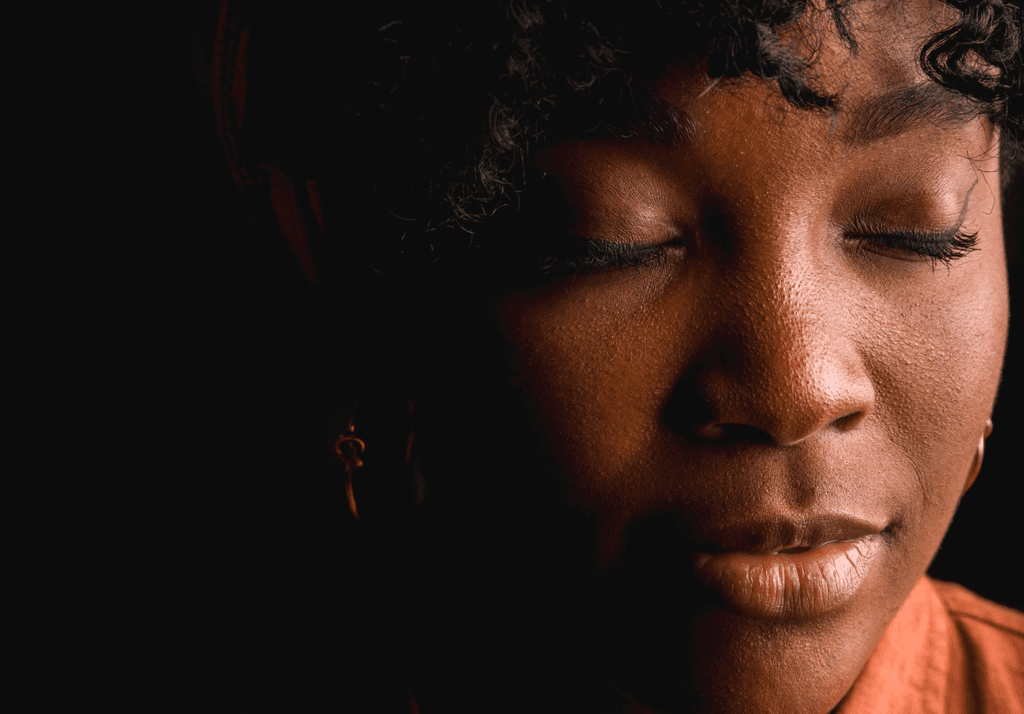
{"x":978,"y":457}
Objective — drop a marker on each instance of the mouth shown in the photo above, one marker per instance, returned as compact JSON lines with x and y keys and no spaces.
{"x":784,"y":570}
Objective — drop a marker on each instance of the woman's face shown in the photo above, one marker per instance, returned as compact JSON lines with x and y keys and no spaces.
{"x":787,"y":374}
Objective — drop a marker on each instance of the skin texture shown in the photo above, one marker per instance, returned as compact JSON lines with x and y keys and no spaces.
{"x":772,"y":366}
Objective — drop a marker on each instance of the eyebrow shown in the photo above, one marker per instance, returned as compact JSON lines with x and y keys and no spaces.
{"x":895,"y":112}
{"x":904,"y":109}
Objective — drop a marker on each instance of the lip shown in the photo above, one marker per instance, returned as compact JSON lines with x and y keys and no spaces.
{"x":784,"y":570}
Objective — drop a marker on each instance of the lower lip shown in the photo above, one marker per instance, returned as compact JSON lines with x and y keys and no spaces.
{"x":789,"y":586}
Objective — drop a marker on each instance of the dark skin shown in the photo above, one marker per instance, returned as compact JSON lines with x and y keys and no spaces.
{"x":779,"y":362}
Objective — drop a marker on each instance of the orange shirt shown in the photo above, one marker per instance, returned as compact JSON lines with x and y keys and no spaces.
{"x":947,"y":651}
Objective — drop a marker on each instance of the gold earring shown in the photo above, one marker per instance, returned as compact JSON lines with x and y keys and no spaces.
{"x":349,"y":449}
{"x":388,"y":434}
{"x":978,"y":456}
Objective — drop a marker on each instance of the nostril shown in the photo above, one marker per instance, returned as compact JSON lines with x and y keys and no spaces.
{"x":711,"y":432}
{"x":772,"y":400}
{"x":850,"y":421}
{"x":719,"y":432}
{"x":722,"y":433}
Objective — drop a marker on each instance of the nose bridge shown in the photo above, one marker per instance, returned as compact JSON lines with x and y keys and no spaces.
{"x":785,"y":363}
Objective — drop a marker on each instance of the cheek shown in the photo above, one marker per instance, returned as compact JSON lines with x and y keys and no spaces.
{"x":595,"y":362}
{"x":936,"y":367}
{"x":935,"y":361}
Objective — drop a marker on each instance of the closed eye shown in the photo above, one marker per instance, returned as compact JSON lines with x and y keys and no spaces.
{"x":937,"y":247}
{"x":575,"y":254}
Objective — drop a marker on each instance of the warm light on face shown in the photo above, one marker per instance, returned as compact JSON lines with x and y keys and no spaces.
{"x":764,"y":337}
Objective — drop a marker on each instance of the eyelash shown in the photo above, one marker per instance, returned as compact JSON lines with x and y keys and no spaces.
{"x":579,"y":255}
{"x":941,"y":247}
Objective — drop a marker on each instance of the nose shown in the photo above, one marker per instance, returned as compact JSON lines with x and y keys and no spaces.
{"x":782,"y":363}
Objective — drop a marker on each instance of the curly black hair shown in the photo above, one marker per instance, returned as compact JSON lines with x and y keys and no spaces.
{"x":420,"y":118}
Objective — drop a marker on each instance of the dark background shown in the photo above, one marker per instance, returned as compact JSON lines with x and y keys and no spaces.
{"x":235,"y":514}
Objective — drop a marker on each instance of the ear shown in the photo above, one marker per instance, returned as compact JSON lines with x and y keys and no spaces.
{"x":295,"y":206}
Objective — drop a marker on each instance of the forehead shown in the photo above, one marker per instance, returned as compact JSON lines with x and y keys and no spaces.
{"x":887,"y":38}
{"x":885,"y":109}
{"x":875,"y":81}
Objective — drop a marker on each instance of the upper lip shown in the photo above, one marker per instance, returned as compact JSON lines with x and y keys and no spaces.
{"x":772,"y":534}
